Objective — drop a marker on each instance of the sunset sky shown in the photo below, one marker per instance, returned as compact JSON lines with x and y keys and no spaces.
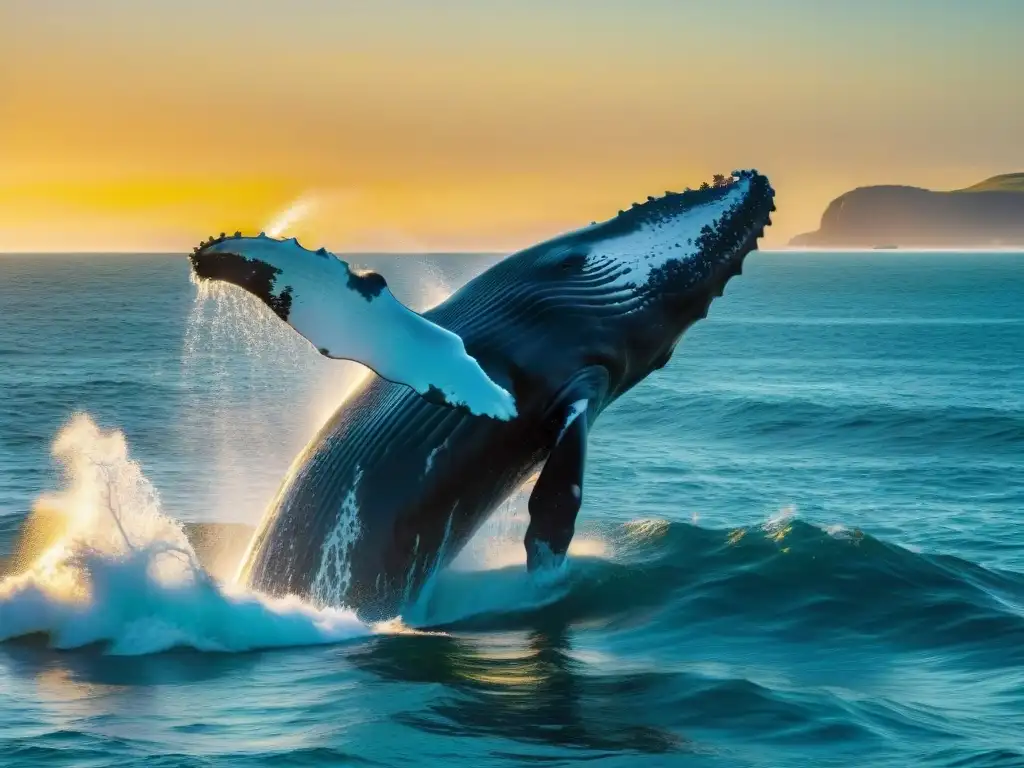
{"x":486,"y":125}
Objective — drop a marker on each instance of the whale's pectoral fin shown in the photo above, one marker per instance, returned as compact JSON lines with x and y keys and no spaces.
{"x":353,"y":316}
{"x":557,"y":496}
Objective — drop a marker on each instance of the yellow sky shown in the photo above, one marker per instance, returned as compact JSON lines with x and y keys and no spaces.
{"x":459,"y":125}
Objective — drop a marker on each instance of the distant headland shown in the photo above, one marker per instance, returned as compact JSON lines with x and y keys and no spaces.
{"x":988,"y":214}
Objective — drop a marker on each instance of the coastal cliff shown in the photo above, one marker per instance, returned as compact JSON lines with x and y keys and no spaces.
{"x":989,"y":214}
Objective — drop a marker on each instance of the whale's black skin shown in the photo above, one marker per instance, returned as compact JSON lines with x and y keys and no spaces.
{"x":393,"y":486}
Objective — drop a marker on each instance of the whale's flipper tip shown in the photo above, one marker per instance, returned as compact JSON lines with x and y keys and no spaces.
{"x":351,"y":315}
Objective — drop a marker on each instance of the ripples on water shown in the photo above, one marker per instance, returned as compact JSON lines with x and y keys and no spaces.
{"x":801,"y":541}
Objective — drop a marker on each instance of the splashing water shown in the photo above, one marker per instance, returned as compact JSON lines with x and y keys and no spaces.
{"x":336,"y":201}
{"x":119,"y":572}
{"x":294,"y":213}
{"x":122,"y":573}
{"x":231,"y":342}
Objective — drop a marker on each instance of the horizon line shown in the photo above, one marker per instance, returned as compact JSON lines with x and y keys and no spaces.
{"x":774,"y":249}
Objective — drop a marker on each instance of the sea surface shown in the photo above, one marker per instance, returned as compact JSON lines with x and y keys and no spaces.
{"x":802,"y":542}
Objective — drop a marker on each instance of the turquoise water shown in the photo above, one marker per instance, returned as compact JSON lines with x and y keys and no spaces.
{"x":801,"y":542}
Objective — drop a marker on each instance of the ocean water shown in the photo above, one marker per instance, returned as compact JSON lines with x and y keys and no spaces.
{"x":801,"y":542}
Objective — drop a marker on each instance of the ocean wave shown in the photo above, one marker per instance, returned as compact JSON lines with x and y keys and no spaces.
{"x":118,"y":571}
{"x":894,"y":426}
{"x":788,"y":576}
{"x":652,"y":629}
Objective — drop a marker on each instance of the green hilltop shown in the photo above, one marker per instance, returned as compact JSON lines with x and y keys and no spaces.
{"x":1006,"y":182}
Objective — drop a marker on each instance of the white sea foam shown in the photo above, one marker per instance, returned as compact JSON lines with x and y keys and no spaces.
{"x":123,"y":573}
{"x":779,"y":524}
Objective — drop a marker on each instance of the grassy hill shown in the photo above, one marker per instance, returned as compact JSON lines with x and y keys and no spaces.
{"x":1007,"y":182}
{"x":987,"y":214}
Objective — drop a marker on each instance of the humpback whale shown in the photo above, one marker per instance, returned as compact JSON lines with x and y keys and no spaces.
{"x":394,"y":484}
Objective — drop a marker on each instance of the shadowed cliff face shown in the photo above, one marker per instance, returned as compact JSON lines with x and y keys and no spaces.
{"x":987,"y":214}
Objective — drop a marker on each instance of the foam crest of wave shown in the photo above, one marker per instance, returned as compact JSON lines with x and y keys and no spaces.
{"x":123,"y":574}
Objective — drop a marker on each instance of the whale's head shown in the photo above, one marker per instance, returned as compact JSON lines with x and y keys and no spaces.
{"x":634,"y":283}
{"x":677,"y":253}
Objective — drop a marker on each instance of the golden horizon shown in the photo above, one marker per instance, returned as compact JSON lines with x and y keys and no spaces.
{"x":467,"y":129}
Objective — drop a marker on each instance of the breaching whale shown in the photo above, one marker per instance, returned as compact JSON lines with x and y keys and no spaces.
{"x":394,"y":484}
